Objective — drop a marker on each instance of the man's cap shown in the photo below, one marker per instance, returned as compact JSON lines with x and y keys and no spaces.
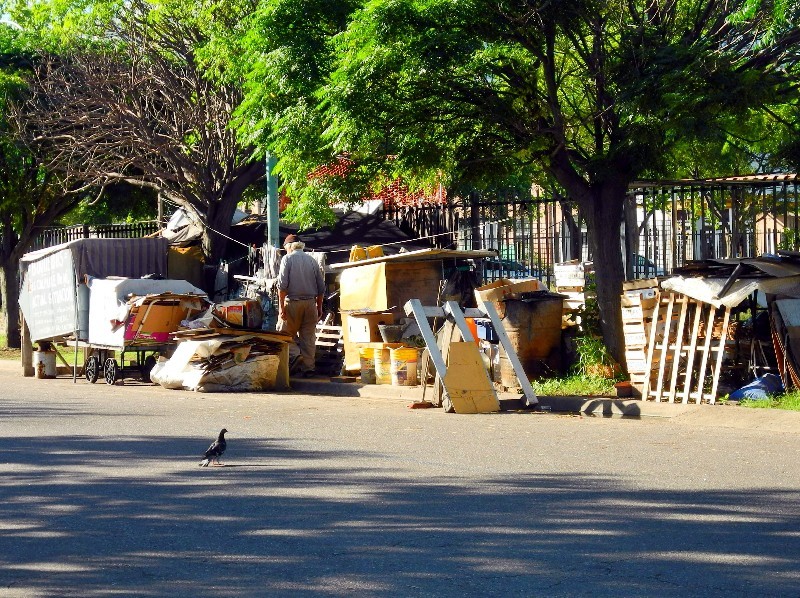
{"x":291,"y":239}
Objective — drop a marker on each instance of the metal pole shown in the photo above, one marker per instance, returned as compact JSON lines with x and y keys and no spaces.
{"x":273,"y":211}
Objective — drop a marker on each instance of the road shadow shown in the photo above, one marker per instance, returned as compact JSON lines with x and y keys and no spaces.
{"x":77,"y":519}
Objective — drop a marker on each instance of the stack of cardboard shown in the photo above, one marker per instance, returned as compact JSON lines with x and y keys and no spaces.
{"x":226,"y":360}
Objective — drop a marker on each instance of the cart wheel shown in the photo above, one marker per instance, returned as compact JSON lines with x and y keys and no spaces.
{"x":147,"y":367}
{"x":90,"y":368}
{"x":111,"y":370}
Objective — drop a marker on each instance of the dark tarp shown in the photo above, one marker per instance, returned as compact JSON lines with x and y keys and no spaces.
{"x":100,"y":258}
{"x":352,"y":228}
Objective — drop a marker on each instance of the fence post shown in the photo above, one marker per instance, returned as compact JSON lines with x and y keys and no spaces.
{"x":475,"y":220}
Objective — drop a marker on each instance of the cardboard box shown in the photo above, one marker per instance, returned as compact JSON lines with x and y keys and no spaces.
{"x":154,"y":322}
{"x":119,"y":309}
{"x":504,"y":288}
{"x":362,"y":327}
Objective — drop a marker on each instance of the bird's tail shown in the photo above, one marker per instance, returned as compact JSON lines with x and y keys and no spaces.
{"x":204,"y":462}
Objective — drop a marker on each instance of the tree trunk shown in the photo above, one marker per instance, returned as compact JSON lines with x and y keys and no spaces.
{"x":568,"y":219}
{"x":603,"y":209}
{"x":9,"y":288}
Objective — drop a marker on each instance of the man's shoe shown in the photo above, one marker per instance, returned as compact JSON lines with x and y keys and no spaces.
{"x":309,"y":374}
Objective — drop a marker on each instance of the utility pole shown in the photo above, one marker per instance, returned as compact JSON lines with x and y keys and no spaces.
{"x":273,"y":211}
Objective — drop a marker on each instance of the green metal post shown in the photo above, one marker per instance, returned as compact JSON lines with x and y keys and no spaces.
{"x":273,"y":211}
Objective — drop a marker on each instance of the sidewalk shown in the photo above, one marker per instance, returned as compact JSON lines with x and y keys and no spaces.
{"x":729,"y":416}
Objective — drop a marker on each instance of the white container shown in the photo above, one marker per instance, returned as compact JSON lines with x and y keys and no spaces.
{"x":44,"y":364}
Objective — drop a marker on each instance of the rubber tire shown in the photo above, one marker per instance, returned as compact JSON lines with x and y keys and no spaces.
{"x":110,"y":370}
{"x":91,"y":369}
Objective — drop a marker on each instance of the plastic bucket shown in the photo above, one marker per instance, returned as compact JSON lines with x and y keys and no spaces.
{"x":404,"y":366}
{"x":44,"y":364}
{"x":357,"y":253}
{"x":383,"y":366}
{"x":374,"y":251}
{"x":473,"y":328}
{"x":367,"y":356}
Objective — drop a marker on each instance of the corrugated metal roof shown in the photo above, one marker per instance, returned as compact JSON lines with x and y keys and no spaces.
{"x":752,"y":179}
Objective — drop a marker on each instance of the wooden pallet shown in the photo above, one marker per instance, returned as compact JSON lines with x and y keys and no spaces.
{"x":680,"y":354}
{"x":330,"y":350}
{"x":637,"y":316}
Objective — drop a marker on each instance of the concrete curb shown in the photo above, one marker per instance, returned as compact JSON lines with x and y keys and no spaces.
{"x":730,"y":416}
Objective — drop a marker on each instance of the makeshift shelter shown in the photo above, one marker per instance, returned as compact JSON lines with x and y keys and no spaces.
{"x":53,"y":295}
{"x":691,"y":328}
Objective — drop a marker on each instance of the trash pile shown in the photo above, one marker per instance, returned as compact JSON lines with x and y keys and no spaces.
{"x":214,"y":355}
{"x":717,"y":327}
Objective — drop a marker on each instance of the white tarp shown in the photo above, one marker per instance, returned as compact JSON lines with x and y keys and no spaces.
{"x":707,"y":289}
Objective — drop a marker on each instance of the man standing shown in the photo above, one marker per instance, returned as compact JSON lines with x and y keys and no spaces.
{"x":300,"y":291}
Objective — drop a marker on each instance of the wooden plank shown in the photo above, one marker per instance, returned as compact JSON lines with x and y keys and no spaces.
{"x":632,"y":314}
{"x":637,"y":339}
{"x":677,"y":348}
{"x":467,"y":382}
{"x":650,"y":355}
{"x":664,"y":345}
{"x":690,"y":357}
{"x":705,"y":351}
{"x":570,"y":281}
{"x":720,"y":353}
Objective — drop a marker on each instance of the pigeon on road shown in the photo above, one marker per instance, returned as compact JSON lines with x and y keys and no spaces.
{"x":215,"y":451}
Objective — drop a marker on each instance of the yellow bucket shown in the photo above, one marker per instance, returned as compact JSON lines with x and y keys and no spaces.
{"x":374,"y":251}
{"x":367,"y":357}
{"x":357,"y":253}
{"x":404,"y":366}
{"x":383,"y":366}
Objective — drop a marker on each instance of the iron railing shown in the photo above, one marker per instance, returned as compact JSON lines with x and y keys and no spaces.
{"x":63,"y":234}
{"x":666,"y":225}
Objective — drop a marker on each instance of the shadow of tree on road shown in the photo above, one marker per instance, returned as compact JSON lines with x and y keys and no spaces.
{"x":88,"y":515}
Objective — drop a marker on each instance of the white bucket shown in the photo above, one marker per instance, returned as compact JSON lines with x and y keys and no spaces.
{"x":44,"y":364}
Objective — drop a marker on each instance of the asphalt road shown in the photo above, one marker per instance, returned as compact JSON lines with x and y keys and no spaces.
{"x":101,"y":495}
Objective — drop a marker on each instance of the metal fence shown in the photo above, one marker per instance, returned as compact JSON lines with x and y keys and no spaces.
{"x":666,"y":225}
{"x":63,"y":234}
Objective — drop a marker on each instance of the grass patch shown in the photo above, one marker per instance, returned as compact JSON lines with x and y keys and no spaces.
{"x":789,"y":402}
{"x":575,"y":385}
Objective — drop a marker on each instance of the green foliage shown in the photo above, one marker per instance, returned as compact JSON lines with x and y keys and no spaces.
{"x":473,"y":91}
{"x":120,"y":203}
{"x":790,"y":402}
{"x":574,"y":385}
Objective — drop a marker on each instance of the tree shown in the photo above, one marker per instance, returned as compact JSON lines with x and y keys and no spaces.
{"x":133,"y":104}
{"x":595,"y":93}
{"x":31,"y":198}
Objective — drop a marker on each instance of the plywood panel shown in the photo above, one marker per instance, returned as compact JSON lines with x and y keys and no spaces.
{"x":467,"y":381}
{"x":412,"y":280}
